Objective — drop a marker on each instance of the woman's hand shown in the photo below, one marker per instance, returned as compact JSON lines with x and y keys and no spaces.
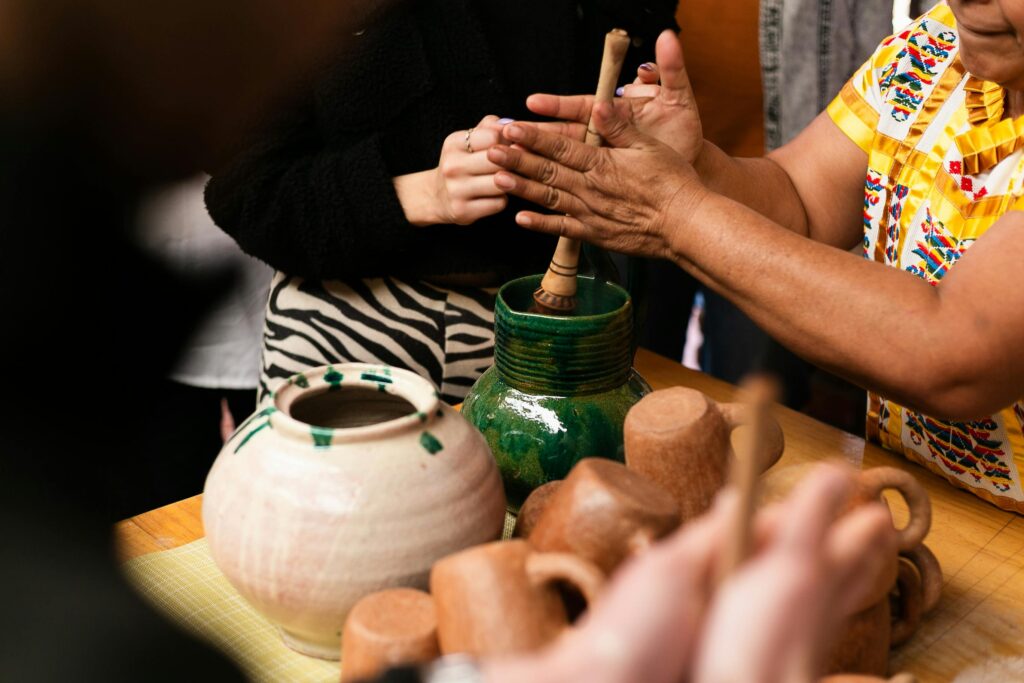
{"x":461,"y":189}
{"x":632,"y":198}
{"x":667,"y":112}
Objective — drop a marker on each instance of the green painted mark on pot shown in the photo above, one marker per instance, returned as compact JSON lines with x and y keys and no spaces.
{"x":264,"y":416}
{"x":430,"y":443}
{"x":301,"y":381}
{"x":333,"y":378}
{"x":421,"y":416}
{"x":373,"y":377}
{"x":321,"y":436}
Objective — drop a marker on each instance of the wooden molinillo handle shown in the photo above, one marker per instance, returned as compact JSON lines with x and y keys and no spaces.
{"x":557,"y":293}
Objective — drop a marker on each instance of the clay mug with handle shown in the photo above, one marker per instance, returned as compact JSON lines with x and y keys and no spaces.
{"x":604,"y":512}
{"x":501,"y":598}
{"x":386,"y":629}
{"x":777,"y":484}
{"x":680,"y":439}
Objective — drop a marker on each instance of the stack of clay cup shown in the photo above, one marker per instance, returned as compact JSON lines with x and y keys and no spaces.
{"x":510,"y":596}
{"x":909,"y":588}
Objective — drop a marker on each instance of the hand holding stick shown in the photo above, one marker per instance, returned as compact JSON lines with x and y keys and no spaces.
{"x":557,"y":292}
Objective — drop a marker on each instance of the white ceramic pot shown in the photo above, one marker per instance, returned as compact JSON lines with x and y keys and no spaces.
{"x":357,"y":478}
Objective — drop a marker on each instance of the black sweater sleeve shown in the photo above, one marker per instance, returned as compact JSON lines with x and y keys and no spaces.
{"x":310,"y":208}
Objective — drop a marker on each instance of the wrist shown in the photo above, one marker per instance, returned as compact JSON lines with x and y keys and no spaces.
{"x":418,"y":195}
{"x":684,"y":216}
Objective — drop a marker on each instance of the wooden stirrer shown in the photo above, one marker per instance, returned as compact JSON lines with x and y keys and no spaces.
{"x":557,"y":292}
{"x":746,"y":465}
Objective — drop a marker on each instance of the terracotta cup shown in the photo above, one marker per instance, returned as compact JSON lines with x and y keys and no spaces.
{"x":777,"y":484}
{"x":866,"y":637}
{"x":386,"y":629}
{"x":680,"y":439}
{"x":604,"y":513}
{"x":863,"y":643}
{"x":532,"y":508}
{"x":928,"y":567}
{"x":907,"y":600}
{"x":502,"y":597}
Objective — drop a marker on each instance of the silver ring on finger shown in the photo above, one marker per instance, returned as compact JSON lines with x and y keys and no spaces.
{"x":469,"y":145}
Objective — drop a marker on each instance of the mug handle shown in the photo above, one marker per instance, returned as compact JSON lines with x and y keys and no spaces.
{"x":738,"y":414}
{"x":931,"y":575}
{"x":911,"y":602}
{"x":543,"y":568}
{"x":877,"y":479}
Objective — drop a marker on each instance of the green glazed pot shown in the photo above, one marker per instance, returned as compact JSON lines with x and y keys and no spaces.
{"x":560,"y":387}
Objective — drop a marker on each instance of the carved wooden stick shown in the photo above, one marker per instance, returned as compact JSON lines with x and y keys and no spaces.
{"x":557,"y":292}
{"x":746,"y":465}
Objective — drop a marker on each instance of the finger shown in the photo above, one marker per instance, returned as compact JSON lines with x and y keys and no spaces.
{"x":648,"y":73}
{"x":480,"y":208}
{"x":576,"y":131}
{"x":477,"y":164}
{"x":615,"y":130}
{"x":859,"y":551}
{"x":475,"y":187}
{"x":482,"y":139}
{"x":529,"y":165}
{"x":813,"y":506}
{"x":566,"y":108}
{"x":553,"y":224}
{"x":641,"y":90}
{"x":489,"y":121}
{"x":570,"y":153}
{"x":675,"y":83}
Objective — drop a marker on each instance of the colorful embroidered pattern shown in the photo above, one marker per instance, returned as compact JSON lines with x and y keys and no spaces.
{"x":964,"y":448}
{"x":872,"y":196}
{"x":938,"y":250}
{"x":915,"y":67}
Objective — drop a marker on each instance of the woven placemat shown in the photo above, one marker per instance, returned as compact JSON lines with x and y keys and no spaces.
{"x":186,"y":585}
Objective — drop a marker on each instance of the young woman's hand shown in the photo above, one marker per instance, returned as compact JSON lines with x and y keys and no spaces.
{"x":461,"y":189}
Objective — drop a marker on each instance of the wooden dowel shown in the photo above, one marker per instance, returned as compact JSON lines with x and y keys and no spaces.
{"x":557,"y":292}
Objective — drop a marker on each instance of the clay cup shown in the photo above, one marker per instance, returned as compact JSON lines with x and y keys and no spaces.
{"x":386,"y":629}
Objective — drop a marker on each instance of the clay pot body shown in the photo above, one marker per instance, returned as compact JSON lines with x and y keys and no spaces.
{"x":501,"y":598}
{"x":387,"y":629}
{"x":532,"y":508}
{"x":560,"y":386}
{"x":680,"y":439}
{"x":604,"y":513}
{"x":355,"y":480}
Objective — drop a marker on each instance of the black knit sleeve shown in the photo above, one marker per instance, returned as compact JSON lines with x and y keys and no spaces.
{"x":309,"y":208}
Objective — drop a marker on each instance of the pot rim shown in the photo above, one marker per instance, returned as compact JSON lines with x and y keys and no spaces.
{"x":419,"y":392}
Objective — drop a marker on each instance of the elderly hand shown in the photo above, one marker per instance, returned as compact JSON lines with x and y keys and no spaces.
{"x":616,"y":198}
{"x":461,"y":189}
{"x":667,"y":112}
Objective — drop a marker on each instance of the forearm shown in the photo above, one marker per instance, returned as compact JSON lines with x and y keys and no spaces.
{"x":760,"y":184}
{"x":882,"y":328}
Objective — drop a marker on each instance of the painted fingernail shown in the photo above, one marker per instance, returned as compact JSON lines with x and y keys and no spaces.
{"x":505,"y":122}
{"x":504,"y":181}
{"x":619,"y":92}
{"x":647,"y":66}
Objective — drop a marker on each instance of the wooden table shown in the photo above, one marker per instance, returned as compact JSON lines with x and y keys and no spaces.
{"x":981,"y":548}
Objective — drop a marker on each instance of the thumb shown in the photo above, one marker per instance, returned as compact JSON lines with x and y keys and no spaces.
{"x":615,"y":130}
{"x":675,"y":83}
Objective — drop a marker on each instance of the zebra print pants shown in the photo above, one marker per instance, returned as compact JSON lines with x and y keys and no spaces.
{"x":445,"y":335}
